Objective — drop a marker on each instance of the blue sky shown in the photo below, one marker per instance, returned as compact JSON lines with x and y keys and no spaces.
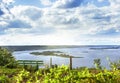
{"x":59,"y":22}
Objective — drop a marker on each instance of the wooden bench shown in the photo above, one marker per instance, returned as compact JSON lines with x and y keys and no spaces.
{"x":31,"y":62}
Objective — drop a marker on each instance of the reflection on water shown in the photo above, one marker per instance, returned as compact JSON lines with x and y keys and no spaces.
{"x":88,"y":54}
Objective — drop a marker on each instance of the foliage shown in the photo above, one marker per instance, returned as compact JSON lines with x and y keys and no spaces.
{"x":6,"y":74}
{"x":6,"y":58}
{"x":4,"y":79}
{"x":62,"y":74}
{"x":97,"y":63}
{"x":114,"y":65}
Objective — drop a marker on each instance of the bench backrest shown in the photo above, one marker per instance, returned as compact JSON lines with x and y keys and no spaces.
{"x":30,"y":62}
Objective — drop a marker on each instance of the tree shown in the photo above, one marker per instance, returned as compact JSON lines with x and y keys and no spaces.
{"x":6,"y":58}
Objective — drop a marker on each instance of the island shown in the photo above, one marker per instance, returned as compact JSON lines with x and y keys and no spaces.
{"x":54,"y":53}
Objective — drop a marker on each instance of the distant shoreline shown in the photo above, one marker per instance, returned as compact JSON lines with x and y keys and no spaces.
{"x":39,"y":47}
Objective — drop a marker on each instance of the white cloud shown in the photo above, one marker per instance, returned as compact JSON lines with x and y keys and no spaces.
{"x":53,"y":25}
{"x":3,"y":23}
{"x":67,"y":3}
{"x":56,"y":39}
{"x":4,"y":8}
{"x":30,"y":39}
{"x":101,"y":0}
{"x":65,"y":17}
{"x":8,"y":1}
{"x":114,"y":3}
{"x":46,"y":2}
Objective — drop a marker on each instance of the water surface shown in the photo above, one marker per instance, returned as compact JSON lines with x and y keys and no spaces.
{"x":89,"y":53}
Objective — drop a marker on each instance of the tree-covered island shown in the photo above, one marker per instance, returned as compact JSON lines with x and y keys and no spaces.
{"x":54,"y":53}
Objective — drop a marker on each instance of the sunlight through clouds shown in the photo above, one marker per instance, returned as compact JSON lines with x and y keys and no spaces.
{"x":71,"y":21}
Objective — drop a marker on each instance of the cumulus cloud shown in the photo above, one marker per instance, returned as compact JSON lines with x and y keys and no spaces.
{"x":79,"y":3}
{"x":114,"y":2}
{"x":5,"y":7}
{"x":7,"y":1}
{"x":46,"y":2}
{"x":79,"y":18}
{"x":64,"y":20}
{"x":67,"y":3}
{"x":27,"y":12}
{"x":25,"y":22}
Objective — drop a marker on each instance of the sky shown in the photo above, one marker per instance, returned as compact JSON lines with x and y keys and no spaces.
{"x":59,"y":22}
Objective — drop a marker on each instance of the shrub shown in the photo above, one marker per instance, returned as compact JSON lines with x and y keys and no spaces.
{"x":6,"y":58}
{"x":4,"y":79}
{"x":97,"y":63}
